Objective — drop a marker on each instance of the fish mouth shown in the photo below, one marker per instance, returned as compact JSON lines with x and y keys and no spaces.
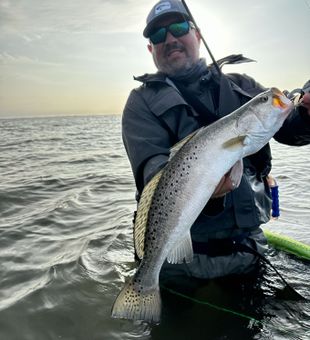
{"x":279,"y":100}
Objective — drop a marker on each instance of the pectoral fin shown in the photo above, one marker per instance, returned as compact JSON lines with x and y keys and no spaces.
{"x":236,"y":142}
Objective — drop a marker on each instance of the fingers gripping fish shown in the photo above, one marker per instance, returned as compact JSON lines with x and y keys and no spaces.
{"x":173,"y":199}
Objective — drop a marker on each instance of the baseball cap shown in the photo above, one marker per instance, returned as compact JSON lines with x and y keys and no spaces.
{"x":163,"y":9}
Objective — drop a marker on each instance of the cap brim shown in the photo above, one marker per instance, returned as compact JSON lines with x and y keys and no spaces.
{"x":150,"y":25}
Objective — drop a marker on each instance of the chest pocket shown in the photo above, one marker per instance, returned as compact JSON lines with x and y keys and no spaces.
{"x":174,"y":113}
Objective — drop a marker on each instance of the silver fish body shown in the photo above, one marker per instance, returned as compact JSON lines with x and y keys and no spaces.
{"x":173,"y":199}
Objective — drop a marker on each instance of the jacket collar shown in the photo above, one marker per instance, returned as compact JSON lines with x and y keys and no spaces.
{"x":159,"y":76}
{"x":151,"y":77}
{"x":197,"y":70}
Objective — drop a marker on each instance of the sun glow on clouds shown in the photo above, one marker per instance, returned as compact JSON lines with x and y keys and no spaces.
{"x":79,"y":57}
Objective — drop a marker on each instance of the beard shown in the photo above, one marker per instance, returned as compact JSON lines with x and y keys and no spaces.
{"x":178,"y":67}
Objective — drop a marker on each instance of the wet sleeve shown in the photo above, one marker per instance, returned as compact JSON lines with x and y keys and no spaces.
{"x":296,"y":129}
{"x":146,"y":141}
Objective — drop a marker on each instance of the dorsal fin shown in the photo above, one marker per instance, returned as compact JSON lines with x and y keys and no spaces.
{"x":143,"y":212}
{"x":176,"y":147}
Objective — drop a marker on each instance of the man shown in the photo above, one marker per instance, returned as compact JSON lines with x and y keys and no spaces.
{"x":182,"y":96}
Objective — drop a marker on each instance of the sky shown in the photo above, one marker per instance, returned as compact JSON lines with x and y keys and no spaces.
{"x":72,"y":57}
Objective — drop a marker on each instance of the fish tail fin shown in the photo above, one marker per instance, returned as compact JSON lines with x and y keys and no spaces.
{"x":136,"y":304}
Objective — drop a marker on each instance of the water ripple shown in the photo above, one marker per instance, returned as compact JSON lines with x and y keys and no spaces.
{"x":66,"y":204}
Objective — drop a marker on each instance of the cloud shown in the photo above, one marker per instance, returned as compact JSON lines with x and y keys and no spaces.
{"x":9,"y":18}
{"x":9,"y":59}
{"x":70,"y":16}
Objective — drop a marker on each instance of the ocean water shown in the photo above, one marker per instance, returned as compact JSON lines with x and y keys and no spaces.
{"x":66,"y":203}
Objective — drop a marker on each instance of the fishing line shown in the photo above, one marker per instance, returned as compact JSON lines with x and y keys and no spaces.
{"x":307,"y":3}
{"x":225,"y":310}
{"x":201,"y":36}
{"x":206,"y":303}
{"x":290,"y":290}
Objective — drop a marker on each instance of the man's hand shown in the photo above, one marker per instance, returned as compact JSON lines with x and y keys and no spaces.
{"x":226,"y":185}
{"x":230,"y":181}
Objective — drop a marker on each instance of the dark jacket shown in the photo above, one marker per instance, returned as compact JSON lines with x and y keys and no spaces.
{"x":156,"y":116}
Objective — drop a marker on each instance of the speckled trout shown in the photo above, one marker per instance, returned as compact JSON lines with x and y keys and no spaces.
{"x":171,"y":202}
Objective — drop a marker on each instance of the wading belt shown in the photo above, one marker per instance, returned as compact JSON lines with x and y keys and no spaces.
{"x":222,"y":247}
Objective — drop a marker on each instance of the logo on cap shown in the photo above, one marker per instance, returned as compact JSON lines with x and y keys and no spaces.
{"x":162,"y":7}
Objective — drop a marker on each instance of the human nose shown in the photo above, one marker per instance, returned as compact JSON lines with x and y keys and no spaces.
{"x":170,"y":38}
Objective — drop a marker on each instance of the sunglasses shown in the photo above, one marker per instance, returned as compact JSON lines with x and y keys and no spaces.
{"x":177,"y":29}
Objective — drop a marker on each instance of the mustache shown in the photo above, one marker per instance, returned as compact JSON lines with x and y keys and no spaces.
{"x":173,"y":46}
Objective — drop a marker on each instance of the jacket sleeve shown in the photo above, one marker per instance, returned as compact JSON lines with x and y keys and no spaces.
{"x":296,"y":128}
{"x":146,"y":141}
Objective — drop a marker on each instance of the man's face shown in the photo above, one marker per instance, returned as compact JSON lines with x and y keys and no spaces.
{"x":175,"y":55}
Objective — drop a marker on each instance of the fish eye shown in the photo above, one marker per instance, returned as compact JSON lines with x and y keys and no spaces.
{"x":264,"y":99}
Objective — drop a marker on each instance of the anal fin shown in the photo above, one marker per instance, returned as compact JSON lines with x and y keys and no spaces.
{"x":183,"y":251}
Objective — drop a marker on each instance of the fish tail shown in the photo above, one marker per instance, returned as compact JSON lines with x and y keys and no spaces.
{"x":136,"y":303}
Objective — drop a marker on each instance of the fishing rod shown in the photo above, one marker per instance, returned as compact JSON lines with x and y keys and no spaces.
{"x":293,"y":294}
{"x":202,"y":38}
